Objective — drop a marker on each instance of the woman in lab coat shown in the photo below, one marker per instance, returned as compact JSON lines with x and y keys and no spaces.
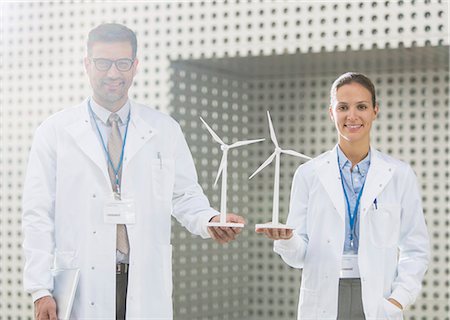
{"x":359,"y":231}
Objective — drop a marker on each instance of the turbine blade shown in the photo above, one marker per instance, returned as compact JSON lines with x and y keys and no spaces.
{"x":272,"y":131}
{"x":221,"y":166}
{"x":245,"y":142}
{"x":265,"y":164}
{"x":295,"y":153}
{"x":214,"y":135}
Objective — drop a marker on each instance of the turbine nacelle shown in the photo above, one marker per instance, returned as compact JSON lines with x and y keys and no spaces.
{"x":277,"y":150}
{"x":225,"y":147}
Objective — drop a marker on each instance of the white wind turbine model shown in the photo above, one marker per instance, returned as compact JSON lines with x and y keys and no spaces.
{"x":223,"y":170}
{"x":276,"y":186}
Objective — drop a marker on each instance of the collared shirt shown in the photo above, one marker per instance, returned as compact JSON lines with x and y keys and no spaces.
{"x":353,"y":182}
{"x":101,"y":116}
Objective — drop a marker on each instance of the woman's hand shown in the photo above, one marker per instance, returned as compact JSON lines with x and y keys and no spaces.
{"x":276,"y":233}
{"x":395,"y":303}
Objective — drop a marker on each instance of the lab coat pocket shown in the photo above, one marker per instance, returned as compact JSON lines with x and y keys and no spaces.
{"x":167,"y":268}
{"x":65,"y":260}
{"x":391,"y":311}
{"x":307,"y":304}
{"x":163,"y":178}
{"x":384,"y":225}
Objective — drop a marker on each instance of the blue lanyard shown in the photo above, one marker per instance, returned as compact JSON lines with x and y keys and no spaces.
{"x":119,"y":165}
{"x":351,"y":216}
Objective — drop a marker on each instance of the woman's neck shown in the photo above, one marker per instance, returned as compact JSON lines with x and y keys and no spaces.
{"x":355,"y":151}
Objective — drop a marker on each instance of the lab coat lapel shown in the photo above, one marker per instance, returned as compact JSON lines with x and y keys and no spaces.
{"x":87,"y":140}
{"x":139,"y":133}
{"x":328,"y":172}
{"x":379,"y":175}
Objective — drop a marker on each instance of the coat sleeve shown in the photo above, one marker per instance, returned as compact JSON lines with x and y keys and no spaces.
{"x":293,"y":251}
{"x":413,"y":244}
{"x":190,"y":205}
{"x":38,"y":205}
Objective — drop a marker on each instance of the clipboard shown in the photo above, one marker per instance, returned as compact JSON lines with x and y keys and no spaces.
{"x":65,"y":283}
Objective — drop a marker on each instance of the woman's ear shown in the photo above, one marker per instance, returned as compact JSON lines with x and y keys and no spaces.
{"x":376,"y":109}
{"x":330,"y":112}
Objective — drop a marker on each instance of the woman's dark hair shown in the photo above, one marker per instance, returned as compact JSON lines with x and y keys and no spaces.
{"x":350,"y":77}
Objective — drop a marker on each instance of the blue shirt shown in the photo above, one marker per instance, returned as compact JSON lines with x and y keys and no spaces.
{"x":353,"y":182}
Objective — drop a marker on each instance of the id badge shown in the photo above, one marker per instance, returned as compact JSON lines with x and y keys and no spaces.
{"x":119,"y":211}
{"x":349,"y":267}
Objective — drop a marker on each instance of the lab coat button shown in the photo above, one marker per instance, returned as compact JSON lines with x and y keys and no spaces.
{"x":92,"y":268}
{"x":381,"y":185}
{"x":328,"y":241}
{"x":94,"y":232}
{"x":94,"y":195}
{"x":92,"y":303}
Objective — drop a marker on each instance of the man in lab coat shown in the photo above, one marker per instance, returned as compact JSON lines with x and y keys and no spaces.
{"x":102,"y":181}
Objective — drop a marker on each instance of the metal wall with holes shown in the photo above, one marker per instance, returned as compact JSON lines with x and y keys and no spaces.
{"x":229,"y":62}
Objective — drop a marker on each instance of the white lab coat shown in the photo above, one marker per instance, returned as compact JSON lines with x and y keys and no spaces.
{"x":393,"y":243}
{"x":66,"y":186}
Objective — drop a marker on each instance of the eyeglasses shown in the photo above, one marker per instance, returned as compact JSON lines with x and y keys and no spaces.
{"x":102,"y":64}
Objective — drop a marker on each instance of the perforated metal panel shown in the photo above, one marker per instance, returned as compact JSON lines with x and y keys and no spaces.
{"x":222,"y":289}
{"x":247,"y":57}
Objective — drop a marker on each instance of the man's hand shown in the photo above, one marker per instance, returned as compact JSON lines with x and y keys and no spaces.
{"x":276,"y":233}
{"x":395,"y":303}
{"x":45,"y":308}
{"x":224,"y":234}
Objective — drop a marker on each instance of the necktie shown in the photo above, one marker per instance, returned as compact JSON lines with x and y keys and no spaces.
{"x":115,"y":150}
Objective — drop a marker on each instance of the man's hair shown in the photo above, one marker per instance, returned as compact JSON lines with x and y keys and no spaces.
{"x":350,"y":77}
{"x":111,"y":32}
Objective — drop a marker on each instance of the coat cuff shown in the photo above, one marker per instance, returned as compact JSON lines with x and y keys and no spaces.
{"x":288,"y":245}
{"x":39,"y":294}
{"x":402,"y":296}
{"x":204,"y":229}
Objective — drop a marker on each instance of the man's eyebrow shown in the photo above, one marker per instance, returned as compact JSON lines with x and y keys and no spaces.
{"x":362,"y":101}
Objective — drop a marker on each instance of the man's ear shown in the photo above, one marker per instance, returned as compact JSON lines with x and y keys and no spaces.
{"x":330,"y":112}
{"x":86,"y":62}
{"x":135,"y":65}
